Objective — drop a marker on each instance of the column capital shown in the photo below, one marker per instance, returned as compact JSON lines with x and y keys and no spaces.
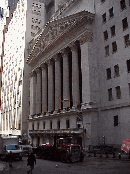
{"x":33,"y":73}
{"x":73,"y":46}
{"x":38,"y":70}
{"x":64,"y":52}
{"x":57,"y":57}
{"x":86,"y":37}
{"x":49,"y":62}
{"x":43,"y":66}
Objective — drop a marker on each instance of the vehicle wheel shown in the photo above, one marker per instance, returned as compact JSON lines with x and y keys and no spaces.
{"x":63,"y":157}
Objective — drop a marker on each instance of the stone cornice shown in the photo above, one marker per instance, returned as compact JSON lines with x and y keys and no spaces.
{"x":55,"y":31}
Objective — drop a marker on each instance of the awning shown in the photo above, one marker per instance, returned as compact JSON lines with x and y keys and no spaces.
{"x":126,"y":145}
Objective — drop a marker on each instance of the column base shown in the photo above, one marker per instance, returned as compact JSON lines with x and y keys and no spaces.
{"x":86,"y":106}
{"x":74,"y":108}
{"x":55,"y":112}
{"x":47,"y":114}
{"x":63,"y":111}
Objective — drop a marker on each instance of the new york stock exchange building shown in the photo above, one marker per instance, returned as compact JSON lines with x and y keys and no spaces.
{"x":62,"y":82}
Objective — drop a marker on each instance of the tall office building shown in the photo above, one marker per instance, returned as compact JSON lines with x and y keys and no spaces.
{"x":21,"y":25}
{"x":79,"y":75}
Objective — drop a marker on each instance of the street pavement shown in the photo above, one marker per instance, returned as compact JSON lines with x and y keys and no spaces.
{"x":90,"y":165}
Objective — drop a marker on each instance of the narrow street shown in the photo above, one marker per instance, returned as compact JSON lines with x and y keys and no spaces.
{"x":89,"y":165}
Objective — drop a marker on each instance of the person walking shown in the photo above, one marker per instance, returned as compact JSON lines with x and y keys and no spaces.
{"x":10,"y":158}
{"x":30,"y":161}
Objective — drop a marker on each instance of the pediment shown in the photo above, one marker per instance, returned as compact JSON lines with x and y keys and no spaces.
{"x":55,"y":29}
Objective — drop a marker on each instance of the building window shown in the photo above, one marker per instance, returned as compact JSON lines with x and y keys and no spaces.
{"x":126,"y":39}
{"x":114,"y":47}
{"x":108,"y":70}
{"x":116,"y":70}
{"x":102,"y":1}
{"x":111,"y":14}
{"x":58,"y":124}
{"x":107,"y":50}
{"x":37,"y":125}
{"x":32,"y":126}
{"x":67,"y":124}
{"x":104,"y":17}
{"x":113,"y":30}
{"x":50,"y":124}
{"x":110,"y":94}
{"x":105,"y":35}
{"x":125,"y":23}
{"x":129,"y":88}
{"x":116,"y":120}
{"x":122,"y":4}
{"x":44,"y":124}
{"x":118,"y":92}
{"x":128,"y":65}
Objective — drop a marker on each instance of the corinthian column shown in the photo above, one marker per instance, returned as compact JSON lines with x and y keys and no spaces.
{"x":66,"y":93}
{"x":38,"y":91}
{"x":44,"y":88}
{"x":33,"y":93}
{"x":50,"y":86}
{"x":57,"y":83}
{"x":75,"y":76}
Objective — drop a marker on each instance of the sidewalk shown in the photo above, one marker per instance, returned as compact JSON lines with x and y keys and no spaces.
{"x":2,"y":166}
{"x":110,"y":157}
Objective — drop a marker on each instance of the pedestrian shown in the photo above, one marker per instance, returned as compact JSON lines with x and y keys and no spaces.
{"x":10,"y":158}
{"x":30,"y":161}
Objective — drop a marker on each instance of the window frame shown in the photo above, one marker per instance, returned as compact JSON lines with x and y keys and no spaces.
{"x":105,"y":35}
{"x":116,"y":71}
{"x":114,"y":44}
{"x":67,"y":123}
{"x":127,"y":42}
{"x":104,"y":17}
{"x":118,"y":92}
{"x":111,"y":13}
{"x":110,"y":96}
{"x":116,"y":120}
{"x":50,"y":124}
{"x":112,"y":35}
{"x":107,"y":51}
{"x":128,"y":65}
{"x":121,"y":7}
{"x":108,"y":73}
{"x":123,"y":24}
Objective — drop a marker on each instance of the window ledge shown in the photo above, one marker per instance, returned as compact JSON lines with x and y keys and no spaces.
{"x":122,"y":9}
{"x":105,"y":40}
{"x":111,"y":17}
{"x":116,"y":76}
{"x":107,"y":55}
{"x":125,"y":28}
{"x":119,"y":97}
{"x":104,"y":22}
{"x":113,"y":35}
{"x":127,"y":46}
{"x":114,"y":52}
{"x":108,"y":78}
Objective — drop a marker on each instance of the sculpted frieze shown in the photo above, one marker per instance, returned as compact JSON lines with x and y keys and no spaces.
{"x":56,"y":29}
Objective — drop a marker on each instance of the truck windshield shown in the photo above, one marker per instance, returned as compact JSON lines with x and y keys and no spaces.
{"x":12,"y":147}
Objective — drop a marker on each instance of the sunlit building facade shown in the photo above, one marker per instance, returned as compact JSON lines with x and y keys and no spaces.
{"x":23,"y":21}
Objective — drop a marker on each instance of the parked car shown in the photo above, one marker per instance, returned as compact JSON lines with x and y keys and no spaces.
{"x":26,"y":149}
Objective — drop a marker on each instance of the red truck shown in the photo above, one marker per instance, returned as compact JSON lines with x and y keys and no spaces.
{"x":64,"y":149}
